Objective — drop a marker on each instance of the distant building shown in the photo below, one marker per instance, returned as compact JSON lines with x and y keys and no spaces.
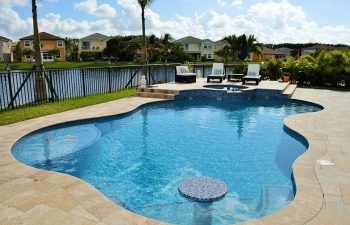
{"x":5,"y":50}
{"x":48,"y":43}
{"x":286,"y":51}
{"x":198,"y":48}
{"x":93,"y":44}
{"x":268,"y":53}
{"x":313,"y":49}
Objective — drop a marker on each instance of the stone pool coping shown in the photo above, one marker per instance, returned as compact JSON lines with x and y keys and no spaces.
{"x":32,"y":196}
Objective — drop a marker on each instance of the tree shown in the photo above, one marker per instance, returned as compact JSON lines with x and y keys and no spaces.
{"x":153,"y":41}
{"x":27,"y":52}
{"x":54,"y":53}
{"x":244,"y":47}
{"x":234,"y":46}
{"x":224,"y":53}
{"x":37,"y":45}
{"x":143,"y":4}
{"x":166,"y":44}
{"x":254,"y":46}
{"x":40,"y":84}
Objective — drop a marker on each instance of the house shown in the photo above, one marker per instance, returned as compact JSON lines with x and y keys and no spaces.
{"x":48,"y":42}
{"x":5,"y":50}
{"x":92,"y":46}
{"x":268,"y":53}
{"x":220,"y":44}
{"x":314,"y":48}
{"x":286,"y":51}
{"x":198,"y":48}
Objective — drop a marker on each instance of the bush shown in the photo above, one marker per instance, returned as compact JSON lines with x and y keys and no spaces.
{"x":331,"y":69}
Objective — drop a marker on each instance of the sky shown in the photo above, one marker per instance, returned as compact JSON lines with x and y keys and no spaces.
{"x":271,"y":21}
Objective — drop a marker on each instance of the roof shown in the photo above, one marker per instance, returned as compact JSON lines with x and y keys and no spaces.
{"x":43,"y":36}
{"x":189,"y":39}
{"x":221,"y":42}
{"x":95,"y":36}
{"x":5,"y":39}
{"x":207,"y":40}
{"x":270,"y":51}
{"x":320,"y":46}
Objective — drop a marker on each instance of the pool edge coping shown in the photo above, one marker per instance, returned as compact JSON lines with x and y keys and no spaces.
{"x":303,"y":165}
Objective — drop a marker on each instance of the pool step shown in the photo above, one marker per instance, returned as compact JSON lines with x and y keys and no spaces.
{"x":157,"y":93}
{"x":157,"y":90}
{"x":290,"y":90}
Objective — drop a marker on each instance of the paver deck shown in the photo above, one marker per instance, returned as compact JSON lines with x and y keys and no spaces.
{"x":32,"y":196}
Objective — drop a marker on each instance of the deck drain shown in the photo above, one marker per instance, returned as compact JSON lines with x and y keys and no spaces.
{"x":203,"y":189}
{"x":325,"y":162}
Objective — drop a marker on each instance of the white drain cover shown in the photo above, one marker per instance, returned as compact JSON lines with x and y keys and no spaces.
{"x":325,"y":162}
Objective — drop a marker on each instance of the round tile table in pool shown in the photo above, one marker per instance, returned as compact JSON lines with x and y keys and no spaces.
{"x":203,"y":189}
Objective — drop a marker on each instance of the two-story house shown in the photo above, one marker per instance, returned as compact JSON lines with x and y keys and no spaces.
{"x":93,"y":45}
{"x":5,"y":50}
{"x":48,"y":42}
{"x":198,"y":48}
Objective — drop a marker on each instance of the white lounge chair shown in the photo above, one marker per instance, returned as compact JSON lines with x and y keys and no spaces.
{"x":252,"y":74}
{"x":184,"y":76}
{"x":218,"y":72}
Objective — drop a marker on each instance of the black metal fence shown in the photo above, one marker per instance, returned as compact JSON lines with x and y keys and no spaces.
{"x":20,"y":88}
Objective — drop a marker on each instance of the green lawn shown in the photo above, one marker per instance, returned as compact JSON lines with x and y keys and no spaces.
{"x":62,"y":65}
{"x":25,"y":113}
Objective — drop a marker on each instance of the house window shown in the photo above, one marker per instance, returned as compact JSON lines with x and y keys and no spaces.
{"x":85,"y":45}
{"x":209,"y":56}
{"x":58,"y":56}
{"x":46,"y":56}
{"x":205,"y":55}
{"x":59,"y":43}
{"x":209,"y":46}
{"x":28,"y":56}
{"x":27,"y":44}
{"x":186,"y":46}
{"x":205,"y":46}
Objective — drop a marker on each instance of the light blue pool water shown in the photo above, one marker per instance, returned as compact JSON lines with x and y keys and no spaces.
{"x":139,"y":159}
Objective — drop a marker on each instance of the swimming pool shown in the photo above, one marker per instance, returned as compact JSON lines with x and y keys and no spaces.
{"x":138,"y":159}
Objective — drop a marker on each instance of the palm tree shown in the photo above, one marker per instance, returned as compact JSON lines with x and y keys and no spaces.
{"x":224,"y":53}
{"x":37,"y":49}
{"x":152,"y":40}
{"x":234,"y":46}
{"x":254,"y":46}
{"x":166,"y":43}
{"x":143,"y":4}
{"x":40,"y":85}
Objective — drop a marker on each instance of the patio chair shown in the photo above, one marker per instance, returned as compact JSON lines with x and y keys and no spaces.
{"x":217,"y":72}
{"x":252,"y":74}
{"x":184,"y":76}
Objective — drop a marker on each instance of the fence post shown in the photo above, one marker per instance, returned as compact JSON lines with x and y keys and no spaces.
{"x":109,"y":79}
{"x":10,"y":86}
{"x":203,"y":70}
{"x":83,"y":81}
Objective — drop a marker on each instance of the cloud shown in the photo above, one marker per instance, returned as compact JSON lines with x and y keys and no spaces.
{"x":270,"y":21}
{"x":91,"y":7}
{"x":237,"y":3}
{"x":221,"y":3}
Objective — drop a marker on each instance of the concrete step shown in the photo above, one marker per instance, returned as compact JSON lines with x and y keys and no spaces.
{"x":155,"y":95}
{"x":157,"y":90}
{"x":290,"y":90}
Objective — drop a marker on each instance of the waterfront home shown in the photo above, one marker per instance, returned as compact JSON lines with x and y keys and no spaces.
{"x":5,"y":50}
{"x":49,"y":43}
{"x":91,"y":47}
{"x":198,"y":48}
